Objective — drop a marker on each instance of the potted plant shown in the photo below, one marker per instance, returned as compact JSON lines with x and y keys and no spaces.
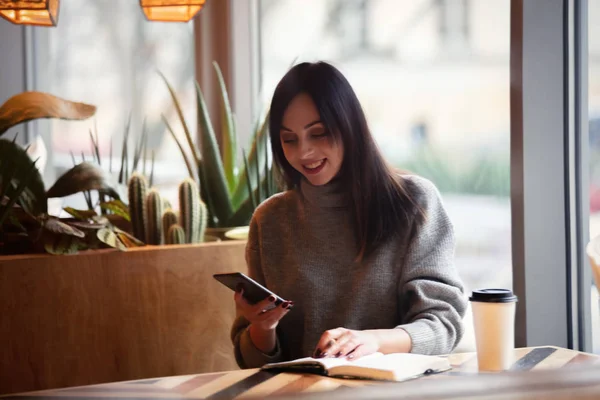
{"x":230,"y":189}
{"x":25,"y":224}
{"x":155,"y":222}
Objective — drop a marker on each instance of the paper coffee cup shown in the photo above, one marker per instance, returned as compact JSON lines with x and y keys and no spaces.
{"x":494,"y":321}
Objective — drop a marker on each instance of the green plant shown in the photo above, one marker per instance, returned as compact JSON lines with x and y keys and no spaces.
{"x":169,"y":218}
{"x":137,"y":189}
{"x":126,"y":169}
{"x":140,"y":154}
{"x":192,"y":211}
{"x":152,"y":216}
{"x":486,"y":174}
{"x":203,"y":221}
{"x":231,"y":196}
{"x":17,"y":174}
{"x":25,"y":225}
{"x":175,"y":235}
{"x":28,"y":225}
{"x":154,"y":212}
{"x":29,"y":106}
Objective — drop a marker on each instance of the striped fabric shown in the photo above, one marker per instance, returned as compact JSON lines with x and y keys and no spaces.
{"x":253,"y":383}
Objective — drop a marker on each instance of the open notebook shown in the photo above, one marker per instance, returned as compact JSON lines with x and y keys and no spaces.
{"x":391,"y":367}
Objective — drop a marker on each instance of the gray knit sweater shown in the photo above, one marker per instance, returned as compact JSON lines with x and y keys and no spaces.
{"x":301,"y":246}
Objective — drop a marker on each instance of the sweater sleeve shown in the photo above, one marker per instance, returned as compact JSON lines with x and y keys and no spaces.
{"x":431,"y":294}
{"x":247,"y":355}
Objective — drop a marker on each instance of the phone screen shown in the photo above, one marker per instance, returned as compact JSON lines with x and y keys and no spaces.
{"x":253,"y":291}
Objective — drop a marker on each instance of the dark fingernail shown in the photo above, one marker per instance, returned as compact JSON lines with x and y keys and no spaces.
{"x":285,"y":304}
{"x":271,"y":298}
{"x":338,"y":354}
{"x":318,"y":353}
{"x":324,"y":354}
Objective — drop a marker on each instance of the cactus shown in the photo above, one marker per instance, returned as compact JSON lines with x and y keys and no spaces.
{"x":154,"y":228}
{"x":175,"y":235}
{"x":169,"y":219}
{"x":203,"y":221}
{"x":137,"y":190}
{"x":189,"y":210}
{"x":152,"y":220}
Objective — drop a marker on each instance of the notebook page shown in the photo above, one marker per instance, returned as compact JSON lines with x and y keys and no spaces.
{"x":403,"y":361}
{"x":327,"y":362}
{"x":399,"y":367}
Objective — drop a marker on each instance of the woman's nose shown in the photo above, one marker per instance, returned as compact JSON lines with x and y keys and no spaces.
{"x":306,"y":149}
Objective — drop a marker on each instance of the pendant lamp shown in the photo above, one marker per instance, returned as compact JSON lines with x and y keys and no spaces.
{"x":30,"y":12}
{"x":171,"y":10}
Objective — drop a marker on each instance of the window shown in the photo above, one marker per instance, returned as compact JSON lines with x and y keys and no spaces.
{"x":433,"y":78}
{"x":594,"y":134}
{"x":105,"y":53}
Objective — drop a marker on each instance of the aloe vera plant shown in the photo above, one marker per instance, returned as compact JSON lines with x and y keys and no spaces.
{"x":231,"y":189}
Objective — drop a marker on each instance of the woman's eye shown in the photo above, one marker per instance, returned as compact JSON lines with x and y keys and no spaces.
{"x":289,"y":140}
{"x":320,"y":135}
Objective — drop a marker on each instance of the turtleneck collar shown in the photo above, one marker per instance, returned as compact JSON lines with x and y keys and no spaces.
{"x":331,"y":195}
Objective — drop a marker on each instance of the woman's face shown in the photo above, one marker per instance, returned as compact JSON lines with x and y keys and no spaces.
{"x":307,"y":145}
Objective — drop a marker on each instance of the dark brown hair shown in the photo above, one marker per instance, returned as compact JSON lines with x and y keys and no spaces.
{"x":382,"y":204}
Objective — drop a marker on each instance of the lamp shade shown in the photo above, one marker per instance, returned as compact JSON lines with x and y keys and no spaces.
{"x":30,"y":12}
{"x":171,"y":10}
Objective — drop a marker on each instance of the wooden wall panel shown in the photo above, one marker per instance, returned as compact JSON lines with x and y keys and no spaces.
{"x":111,"y":316}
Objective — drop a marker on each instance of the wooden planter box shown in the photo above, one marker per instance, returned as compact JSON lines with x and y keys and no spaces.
{"x":108,"y":316}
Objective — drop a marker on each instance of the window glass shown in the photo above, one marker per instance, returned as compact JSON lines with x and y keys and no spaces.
{"x":105,"y":53}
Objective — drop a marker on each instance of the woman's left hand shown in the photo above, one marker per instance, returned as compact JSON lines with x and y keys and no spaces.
{"x":347,"y":343}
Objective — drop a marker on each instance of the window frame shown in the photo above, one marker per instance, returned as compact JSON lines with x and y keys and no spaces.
{"x":582,"y":315}
{"x":549,"y":154}
{"x":226,"y":31}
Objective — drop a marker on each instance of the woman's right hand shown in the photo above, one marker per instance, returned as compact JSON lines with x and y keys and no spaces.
{"x":258,"y":314}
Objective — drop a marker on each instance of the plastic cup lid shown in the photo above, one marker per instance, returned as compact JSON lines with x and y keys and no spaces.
{"x":493,"y":296}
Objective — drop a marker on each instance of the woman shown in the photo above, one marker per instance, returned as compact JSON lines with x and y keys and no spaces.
{"x":363,"y":254}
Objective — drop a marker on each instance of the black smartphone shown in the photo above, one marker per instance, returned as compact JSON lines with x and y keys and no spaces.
{"x":253,"y":291}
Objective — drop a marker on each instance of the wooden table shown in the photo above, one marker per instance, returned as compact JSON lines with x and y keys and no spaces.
{"x":547,"y":371}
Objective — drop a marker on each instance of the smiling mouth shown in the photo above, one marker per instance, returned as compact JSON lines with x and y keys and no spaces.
{"x":315,"y":167}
